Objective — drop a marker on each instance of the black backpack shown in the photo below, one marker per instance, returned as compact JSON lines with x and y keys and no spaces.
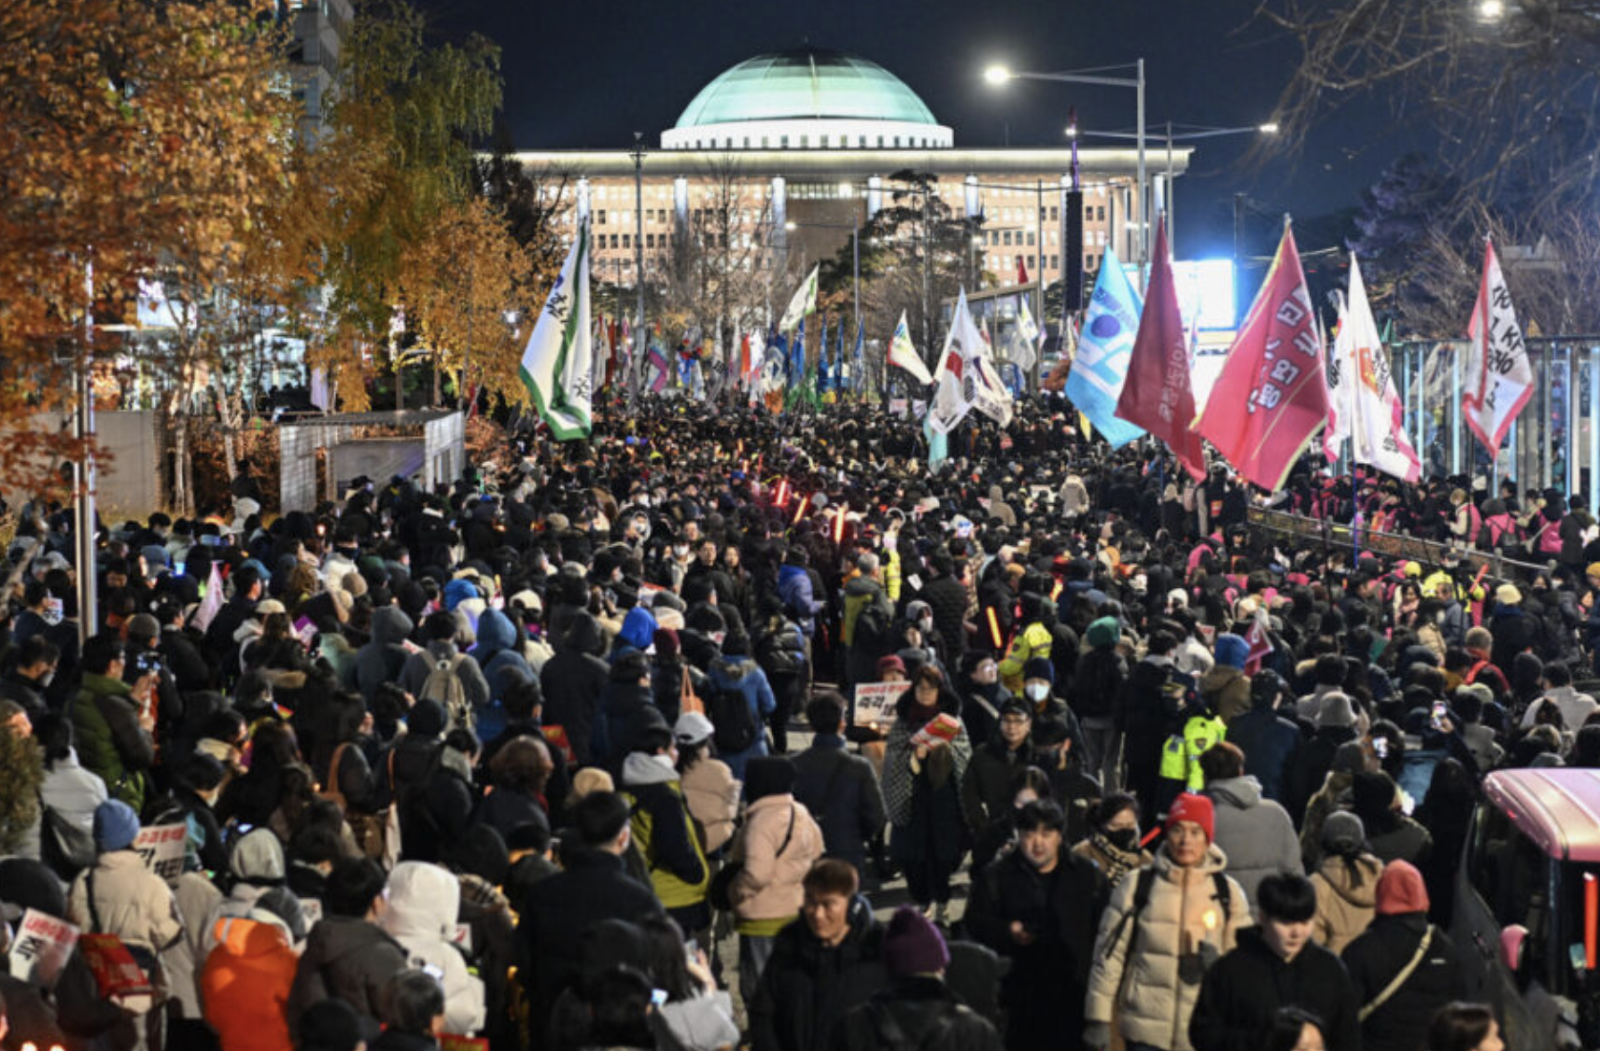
{"x":1141,"y":898}
{"x":871,"y":633}
{"x":734,"y":724}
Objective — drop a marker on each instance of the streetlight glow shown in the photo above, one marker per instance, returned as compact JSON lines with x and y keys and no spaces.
{"x":1491,"y":10}
{"x":997,"y":74}
{"x":791,"y":225}
{"x":1268,"y":129}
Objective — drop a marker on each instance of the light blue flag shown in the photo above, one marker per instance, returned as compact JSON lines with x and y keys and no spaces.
{"x":858,"y":370}
{"x":1101,"y":367}
{"x":797,"y":354}
{"x":938,"y":444}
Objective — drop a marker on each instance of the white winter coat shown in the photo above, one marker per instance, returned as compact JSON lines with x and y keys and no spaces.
{"x":424,"y":903}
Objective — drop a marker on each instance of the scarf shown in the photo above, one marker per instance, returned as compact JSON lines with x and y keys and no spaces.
{"x":1118,"y":862}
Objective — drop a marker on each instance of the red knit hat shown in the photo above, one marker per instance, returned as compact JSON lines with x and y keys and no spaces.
{"x":1195,"y":808}
{"x":1400,"y":890}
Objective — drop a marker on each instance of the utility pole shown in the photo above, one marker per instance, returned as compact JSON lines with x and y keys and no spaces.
{"x":927,"y":274}
{"x":83,"y":470}
{"x":638,"y":253}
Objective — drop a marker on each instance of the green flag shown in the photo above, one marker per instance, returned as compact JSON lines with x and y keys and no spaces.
{"x":557,"y":364}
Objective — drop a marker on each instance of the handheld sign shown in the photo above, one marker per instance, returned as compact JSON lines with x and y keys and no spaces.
{"x":875,"y":703}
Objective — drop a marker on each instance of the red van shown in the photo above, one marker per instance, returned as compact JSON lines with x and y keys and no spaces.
{"x":1527,"y":908}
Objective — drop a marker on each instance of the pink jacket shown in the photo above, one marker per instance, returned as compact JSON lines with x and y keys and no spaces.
{"x":769,"y":887}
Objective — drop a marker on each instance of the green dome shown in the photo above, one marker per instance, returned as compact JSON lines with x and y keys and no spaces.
{"x":805,"y":84}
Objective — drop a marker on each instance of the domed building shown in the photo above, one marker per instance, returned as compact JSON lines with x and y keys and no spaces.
{"x":780,"y":157}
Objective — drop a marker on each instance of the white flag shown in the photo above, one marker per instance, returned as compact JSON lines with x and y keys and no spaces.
{"x":803,"y":303}
{"x":210,"y":603}
{"x":903,"y":353}
{"x":556,"y":364}
{"x":1498,"y":376}
{"x":1024,"y":338}
{"x":1377,"y":437}
{"x":1338,"y":378}
{"x":966,"y":378}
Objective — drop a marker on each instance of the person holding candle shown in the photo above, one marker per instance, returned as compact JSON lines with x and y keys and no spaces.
{"x":1165,"y":925}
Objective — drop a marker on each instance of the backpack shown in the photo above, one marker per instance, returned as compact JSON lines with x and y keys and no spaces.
{"x":443,"y":684}
{"x":1550,"y":538}
{"x":730,"y":715}
{"x":871,"y":630}
{"x":1141,"y":898}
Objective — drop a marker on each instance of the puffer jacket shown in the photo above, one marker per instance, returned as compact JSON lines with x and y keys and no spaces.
{"x":1344,"y":910}
{"x":745,"y":676}
{"x":768,"y":888}
{"x":131,"y":902}
{"x":663,"y":830}
{"x":794,"y":588}
{"x":572,"y":681}
{"x":497,"y":654}
{"x":380,"y":660}
{"x":111,"y":743}
{"x":712,"y":793}
{"x":348,"y":958}
{"x":1154,"y":1004}
{"x":1032,"y":641}
{"x":424,"y":904}
{"x":254,"y":957}
{"x":1255,"y":833}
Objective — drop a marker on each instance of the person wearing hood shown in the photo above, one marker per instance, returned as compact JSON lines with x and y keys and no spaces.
{"x":1513,"y":630}
{"x":347,"y":954}
{"x":442,"y":654}
{"x":822,"y":966}
{"x":1148,"y":961}
{"x":637,"y":634}
{"x":1039,"y":907}
{"x":1253,"y":831}
{"x":501,"y":659}
{"x":1269,"y":742}
{"x":795,"y":590}
{"x":1334,"y":795}
{"x":1335,"y":728}
{"x":776,"y":846}
{"x":256,"y":864}
{"x":1097,"y":689}
{"x":1034,"y":640}
{"x":1276,"y":965}
{"x":1402,"y":949}
{"x":1346,"y":882}
{"x":572,"y":682}
{"x":664,"y":831}
{"x":734,"y":676}
{"x":424,"y":905}
{"x":249,"y":972}
{"x":627,"y":708}
{"x":1226,"y":688}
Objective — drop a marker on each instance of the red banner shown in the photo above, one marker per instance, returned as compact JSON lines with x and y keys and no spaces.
{"x":1274,"y":372}
{"x":1157,"y":395}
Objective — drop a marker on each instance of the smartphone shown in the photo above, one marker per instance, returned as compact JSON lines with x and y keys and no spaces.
{"x":691,"y":949}
{"x":177,"y":567}
{"x":657,"y":996}
{"x":1380,"y":747}
{"x":1438,"y":714}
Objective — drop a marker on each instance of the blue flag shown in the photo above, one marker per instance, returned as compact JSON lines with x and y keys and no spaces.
{"x":797,"y":354}
{"x":1101,"y":367}
{"x":822,"y":360}
{"x":858,"y":368}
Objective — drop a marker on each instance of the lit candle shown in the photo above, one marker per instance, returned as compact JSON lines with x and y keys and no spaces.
{"x":1210,"y":920}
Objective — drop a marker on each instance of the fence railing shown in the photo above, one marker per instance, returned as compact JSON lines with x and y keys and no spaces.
{"x":1339,"y":536}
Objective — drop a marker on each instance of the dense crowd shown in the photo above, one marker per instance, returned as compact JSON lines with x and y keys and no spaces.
{"x":520,"y":758}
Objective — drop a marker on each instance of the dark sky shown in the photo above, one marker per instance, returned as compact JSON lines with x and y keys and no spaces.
{"x":590,"y":74}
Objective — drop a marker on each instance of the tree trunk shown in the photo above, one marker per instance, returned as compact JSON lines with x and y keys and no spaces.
{"x":182,"y":490}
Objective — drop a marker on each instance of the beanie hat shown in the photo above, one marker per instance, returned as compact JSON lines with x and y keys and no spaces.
{"x":1401,"y":890}
{"x":589,"y":780}
{"x":1343,"y":834}
{"x":891,"y":663}
{"x":913,"y":945}
{"x":427,"y":718}
{"x":1107,"y":631}
{"x":115,"y":825}
{"x":1232,"y":650}
{"x":1039,"y":668}
{"x":281,"y":903}
{"x":1195,"y":808}
{"x":1507,"y":595}
{"x":1335,"y":710}
{"x":144,"y":626}
{"x":667,"y":645}
{"x":768,"y":776}
{"x":1593,"y":570}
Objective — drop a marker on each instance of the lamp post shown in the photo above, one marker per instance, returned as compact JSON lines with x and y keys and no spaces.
{"x":638,"y":255}
{"x":1189,"y":133}
{"x":1000,"y":75}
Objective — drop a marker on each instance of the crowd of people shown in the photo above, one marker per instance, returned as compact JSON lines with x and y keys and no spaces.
{"x":1048,"y":749}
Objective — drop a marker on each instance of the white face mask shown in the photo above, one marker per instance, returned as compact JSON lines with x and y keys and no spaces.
{"x":926,"y":624}
{"x":680,"y":550}
{"x":47,"y":678}
{"x":1037,"y":691}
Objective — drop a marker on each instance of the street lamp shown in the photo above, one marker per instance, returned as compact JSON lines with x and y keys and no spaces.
{"x":1189,"y":132}
{"x":999,"y":75}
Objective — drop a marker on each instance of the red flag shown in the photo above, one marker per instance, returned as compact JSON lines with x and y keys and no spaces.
{"x":1022,"y":272}
{"x":1274,"y":374}
{"x":1156,"y":395}
{"x":611,"y":352}
{"x":1260,"y":644}
{"x":744,"y":359}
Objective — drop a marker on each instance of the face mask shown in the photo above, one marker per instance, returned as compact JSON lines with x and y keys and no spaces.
{"x":889,"y":541}
{"x":616,"y":576}
{"x":53,"y":612}
{"x":926,"y":624}
{"x":1037,"y":691}
{"x":47,"y":678}
{"x":1123,"y":838}
{"x":718,"y":636}
{"x":680,"y":550}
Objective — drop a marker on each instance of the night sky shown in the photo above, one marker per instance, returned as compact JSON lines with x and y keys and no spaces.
{"x":590,"y":74}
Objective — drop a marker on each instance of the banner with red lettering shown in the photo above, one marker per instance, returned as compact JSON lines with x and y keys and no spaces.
{"x":1498,"y":377}
{"x":1157,"y":395}
{"x":1272,"y":395}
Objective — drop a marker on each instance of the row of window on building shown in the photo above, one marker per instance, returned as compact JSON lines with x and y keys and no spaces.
{"x":747,"y":216}
{"x":825,"y":142}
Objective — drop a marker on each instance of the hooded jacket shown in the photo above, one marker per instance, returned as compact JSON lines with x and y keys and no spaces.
{"x":572,"y":681}
{"x":1226,"y":690}
{"x":1344,"y":908}
{"x":664,"y":832}
{"x":768,"y":887}
{"x":712,"y":794}
{"x":497,"y":654}
{"x":424,"y":905}
{"x":245,"y":983}
{"x":1154,"y":1003}
{"x":1242,"y":993}
{"x":345,"y":957}
{"x":380,"y":660}
{"x":807,"y":986}
{"x":1255,"y":833}
{"x":418,"y":666}
{"x":1376,"y":957}
{"x":794,"y":588}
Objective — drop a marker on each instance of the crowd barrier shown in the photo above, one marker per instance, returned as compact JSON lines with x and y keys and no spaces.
{"x":1342,"y":536}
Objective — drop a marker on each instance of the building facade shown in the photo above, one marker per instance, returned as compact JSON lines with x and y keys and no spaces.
{"x":790,"y":150}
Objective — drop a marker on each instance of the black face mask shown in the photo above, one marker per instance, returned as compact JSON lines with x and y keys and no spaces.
{"x":1123,"y":838}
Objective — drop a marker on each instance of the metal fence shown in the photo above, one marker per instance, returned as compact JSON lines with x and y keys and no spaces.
{"x":1556,"y":439}
{"x":1339,"y":536}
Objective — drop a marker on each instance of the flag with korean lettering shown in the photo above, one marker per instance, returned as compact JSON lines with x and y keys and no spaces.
{"x":1157,"y":394}
{"x":1101,"y":365}
{"x":1372,"y":403}
{"x":1271,"y":398}
{"x":1498,"y":378}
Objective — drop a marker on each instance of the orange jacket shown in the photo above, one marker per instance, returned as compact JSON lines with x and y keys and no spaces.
{"x":244,"y":985}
